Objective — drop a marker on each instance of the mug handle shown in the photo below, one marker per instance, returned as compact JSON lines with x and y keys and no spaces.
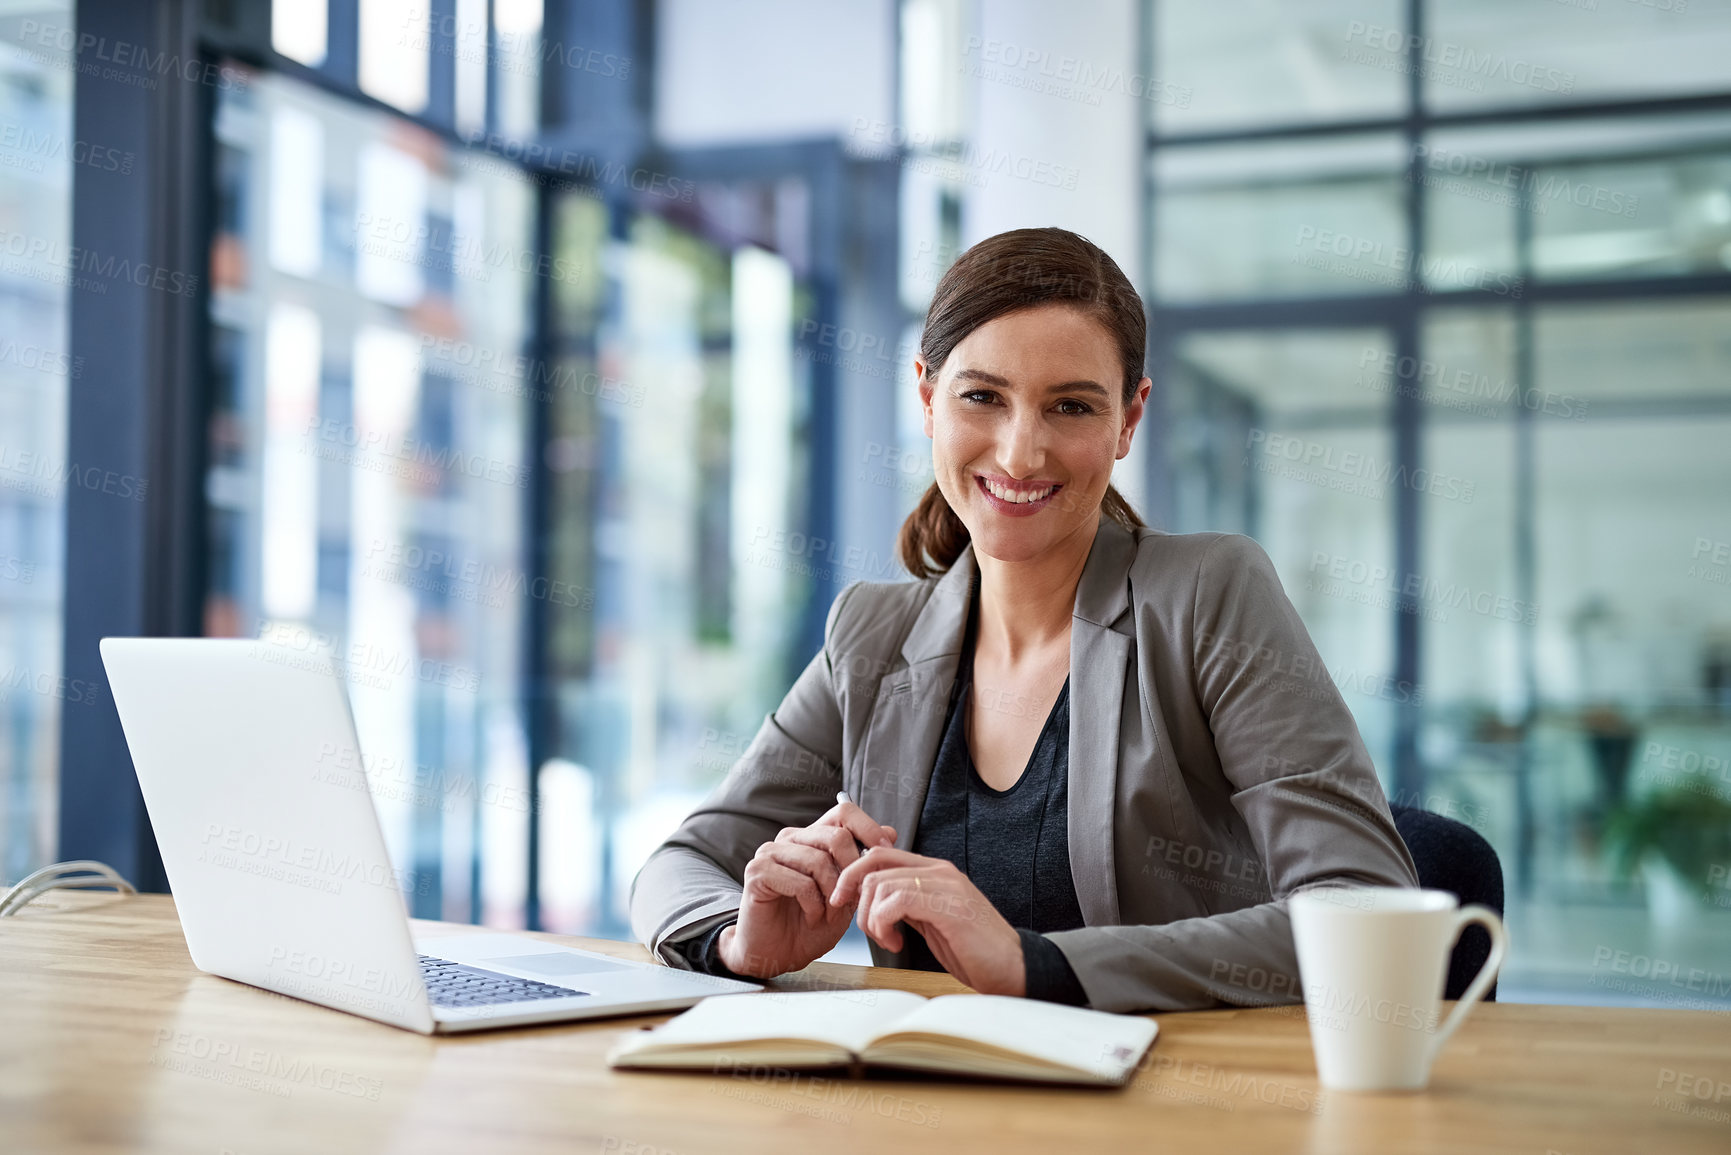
{"x":1465,"y":917}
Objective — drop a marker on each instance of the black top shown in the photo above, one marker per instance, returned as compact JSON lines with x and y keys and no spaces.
{"x":1013,"y":844}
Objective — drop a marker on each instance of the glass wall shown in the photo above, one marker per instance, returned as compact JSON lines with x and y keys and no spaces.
{"x":1470,"y":385}
{"x":678,"y":483}
{"x":368,"y":486}
{"x":38,"y":155}
{"x":1294,"y":425}
{"x":388,"y":429}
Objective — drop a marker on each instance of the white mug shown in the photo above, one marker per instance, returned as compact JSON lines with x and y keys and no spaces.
{"x":1373,"y":961}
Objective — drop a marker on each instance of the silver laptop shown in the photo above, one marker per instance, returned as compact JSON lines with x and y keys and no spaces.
{"x":250,"y":766}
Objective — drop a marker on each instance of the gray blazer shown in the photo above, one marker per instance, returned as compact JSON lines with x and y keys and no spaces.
{"x":1213,"y":769}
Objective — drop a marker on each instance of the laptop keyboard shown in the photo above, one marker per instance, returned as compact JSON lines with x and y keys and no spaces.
{"x":452,"y":984}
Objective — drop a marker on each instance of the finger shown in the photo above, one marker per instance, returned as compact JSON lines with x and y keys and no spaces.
{"x":868,"y":898}
{"x":940,"y":945}
{"x":772,"y":881}
{"x":808,"y":860}
{"x":899,"y":886}
{"x":950,"y":963}
{"x":833,"y":840}
{"x":875,"y":859}
{"x":887,"y":903}
{"x":861,"y":825}
{"x":768,"y":879}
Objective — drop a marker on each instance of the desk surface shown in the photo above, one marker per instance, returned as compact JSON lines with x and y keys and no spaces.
{"x":110,"y":1040}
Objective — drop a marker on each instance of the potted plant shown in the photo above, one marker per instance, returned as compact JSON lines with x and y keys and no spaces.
{"x":1674,"y":837}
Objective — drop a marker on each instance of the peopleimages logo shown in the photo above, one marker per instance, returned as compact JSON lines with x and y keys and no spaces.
{"x":254,"y":1068}
{"x":1338,"y":575}
{"x":421,"y":459}
{"x":72,"y":260}
{"x":1365,"y":258}
{"x":34,"y":472}
{"x":121,"y":60}
{"x":1347,"y":470}
{"x":300,"y":864}
{"x":22,"y":146}
{"x":1463,"y":389}
{"x":1540,"y":189}
{"x":1447,"y":61}
{"x":1067,"y":77}
{"x":584,"y":169}
{"x":967,"y":158}
{"x":525,"y":51}
{"x":471,"y":254}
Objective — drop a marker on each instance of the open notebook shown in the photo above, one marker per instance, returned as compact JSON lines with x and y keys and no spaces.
{"x":987,"y":1035}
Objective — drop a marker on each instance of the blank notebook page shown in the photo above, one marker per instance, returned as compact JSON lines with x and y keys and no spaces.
{"x":843,"y":1018}
{"x":1086,"y":1040}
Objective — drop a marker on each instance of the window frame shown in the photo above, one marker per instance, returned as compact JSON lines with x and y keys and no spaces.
{"x":1403,"y":314}
{"x":141,"y":403}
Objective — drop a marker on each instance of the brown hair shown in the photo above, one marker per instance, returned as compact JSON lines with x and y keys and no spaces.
{"x":1019,"y":270}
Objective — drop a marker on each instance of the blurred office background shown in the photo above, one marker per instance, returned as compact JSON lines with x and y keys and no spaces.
{"x":543,"y":363}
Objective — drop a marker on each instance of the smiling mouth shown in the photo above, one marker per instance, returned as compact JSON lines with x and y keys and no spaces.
{"x":1017,"y":494}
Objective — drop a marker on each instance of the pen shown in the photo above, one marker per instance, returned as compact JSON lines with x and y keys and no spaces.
{"x":842,"y":796}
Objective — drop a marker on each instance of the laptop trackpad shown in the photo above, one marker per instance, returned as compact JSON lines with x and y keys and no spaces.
{"x":557,"y":963}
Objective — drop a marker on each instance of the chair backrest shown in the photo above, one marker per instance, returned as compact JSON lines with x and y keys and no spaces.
{"x":1452,"y":856}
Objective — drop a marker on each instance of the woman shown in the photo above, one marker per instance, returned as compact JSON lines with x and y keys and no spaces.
{"x":1087,"y":761}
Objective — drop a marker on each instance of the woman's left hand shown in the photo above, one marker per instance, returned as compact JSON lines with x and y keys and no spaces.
{"x":965,"y":931}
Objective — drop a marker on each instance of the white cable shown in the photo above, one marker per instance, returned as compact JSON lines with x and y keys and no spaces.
{"x":84,"y":874}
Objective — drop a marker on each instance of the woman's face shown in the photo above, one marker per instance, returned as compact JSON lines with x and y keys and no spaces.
{"x":1026,"y":418}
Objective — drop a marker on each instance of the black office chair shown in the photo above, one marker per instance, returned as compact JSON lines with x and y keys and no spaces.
{"x":1452,"y":856}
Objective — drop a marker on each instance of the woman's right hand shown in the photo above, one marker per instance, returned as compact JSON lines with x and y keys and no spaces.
{"x":785,"y":919}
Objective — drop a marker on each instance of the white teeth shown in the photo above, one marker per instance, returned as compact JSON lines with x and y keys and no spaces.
{"x":1014,"y":497}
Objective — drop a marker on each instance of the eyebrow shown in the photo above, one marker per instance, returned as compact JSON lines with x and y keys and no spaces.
{"x":981,"y":375}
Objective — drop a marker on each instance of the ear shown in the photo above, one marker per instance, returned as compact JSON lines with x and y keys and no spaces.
{"x":925,"y":386}
{"x":1133,"y":415}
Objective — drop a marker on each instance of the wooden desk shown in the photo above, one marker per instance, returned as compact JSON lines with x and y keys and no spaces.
{"x":110,"y":1041}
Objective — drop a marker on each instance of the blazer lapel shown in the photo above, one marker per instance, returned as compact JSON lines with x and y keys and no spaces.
{"x":908,"y":718}
{"x":1100,"y":653}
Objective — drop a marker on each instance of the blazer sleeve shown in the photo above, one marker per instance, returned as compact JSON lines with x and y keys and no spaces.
{"x":1299,"y":777}
{"x":788,"y":776}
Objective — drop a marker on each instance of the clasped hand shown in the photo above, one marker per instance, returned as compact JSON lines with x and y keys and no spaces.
{"x":802,"y":889}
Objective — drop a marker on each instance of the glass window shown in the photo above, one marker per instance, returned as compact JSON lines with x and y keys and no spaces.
{"x":300,"y":32}
{"x":905,"y":465}
{"x":1636,"y":356}
{"x":1477,"y":623}
{"x":1601,"y":198}
{"x":517,"y":61}
{"x":1296,"y":425}
{"x":1495,"y":53}
{"x":368,"y":487}
{"x":1633,"y":645}
{"x":935,"y":97}
{"x":394,"y":52}
{"x":1572,"y":642}
{"x":678,"y":505}
{"x":468,"y":41}
{"x":1280,"y":220}
{"x":37,"y":154}
{"x":1634,"y":218}
{"x":1220,"y":65}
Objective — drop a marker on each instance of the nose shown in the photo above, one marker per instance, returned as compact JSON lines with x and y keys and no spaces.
{"x":1022,"y":451}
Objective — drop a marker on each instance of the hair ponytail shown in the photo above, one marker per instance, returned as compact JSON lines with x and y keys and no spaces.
{"x":932,"y":531}
{"x":933,"y":537}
